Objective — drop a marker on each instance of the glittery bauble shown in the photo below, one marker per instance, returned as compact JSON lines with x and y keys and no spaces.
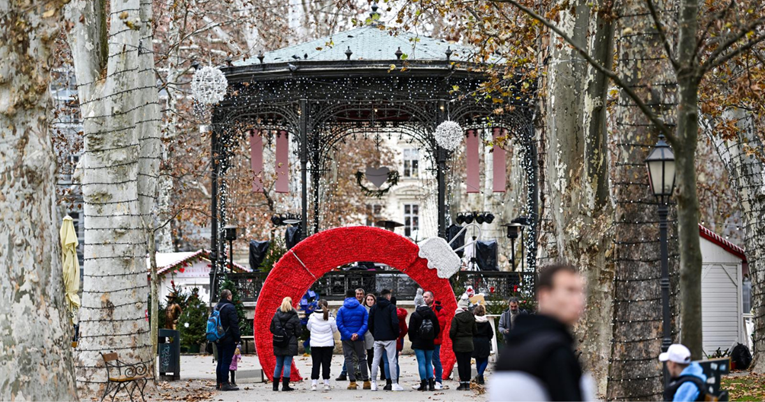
{"x":449,"y":135}
{"x":209,"y":85}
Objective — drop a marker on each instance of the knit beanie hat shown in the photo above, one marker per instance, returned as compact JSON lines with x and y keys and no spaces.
{"x":463,"y":302}
{"x":419,"y":300}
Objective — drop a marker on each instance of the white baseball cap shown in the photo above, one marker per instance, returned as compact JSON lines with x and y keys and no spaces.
{"x":676,"y":353}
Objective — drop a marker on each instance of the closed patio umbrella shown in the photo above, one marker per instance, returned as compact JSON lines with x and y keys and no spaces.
{"x":71,"y":266}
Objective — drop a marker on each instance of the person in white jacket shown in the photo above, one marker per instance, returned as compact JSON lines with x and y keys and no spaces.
{"x":322,"y":326}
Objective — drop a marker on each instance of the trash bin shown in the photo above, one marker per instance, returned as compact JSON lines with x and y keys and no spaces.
{"x":169,"y":351}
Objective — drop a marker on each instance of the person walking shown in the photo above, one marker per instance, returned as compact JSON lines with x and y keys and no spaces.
{"x":539,"y":362}
{"x":360,"y":294}
{"x":687,"y":380}
{"x":507,"y":318}
{"x":352,"y":323}
{"x":383,"y":323}
{"x":226,"y":345}
{"x":423,"y":331}
{"x":403,"y":329}
{"x":323,"y":327}
{"x":481,"y":342}
{"x":285,"y":325}
{"x":461,"y":333}
{"x":437,"y":366}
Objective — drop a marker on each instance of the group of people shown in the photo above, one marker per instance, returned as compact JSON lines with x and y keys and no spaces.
{"x":539,"y":361}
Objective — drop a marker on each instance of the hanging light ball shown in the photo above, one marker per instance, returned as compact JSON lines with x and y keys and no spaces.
{"x":209,"y":85}
{"x":449,"y":135}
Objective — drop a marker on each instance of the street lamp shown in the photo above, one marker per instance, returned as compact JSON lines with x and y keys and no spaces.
{"x":513,"y":230}
{"x":661,"y":175}
{"x":230,"y":232}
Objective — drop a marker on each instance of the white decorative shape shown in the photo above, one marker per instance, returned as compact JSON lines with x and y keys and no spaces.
{"x":378,"y":176}
{"x":440,"y":257}
{"x":209,"y":85}
{"x":449,"y":135}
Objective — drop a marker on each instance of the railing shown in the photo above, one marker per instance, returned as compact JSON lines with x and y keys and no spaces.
{"x":334,"y":284}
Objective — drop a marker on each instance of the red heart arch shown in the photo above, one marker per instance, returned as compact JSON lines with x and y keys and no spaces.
{"x":310,"y":259}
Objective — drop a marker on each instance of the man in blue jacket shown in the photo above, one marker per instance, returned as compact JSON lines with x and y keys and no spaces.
{"x":688,"y":379}
{"x":352,"y":323}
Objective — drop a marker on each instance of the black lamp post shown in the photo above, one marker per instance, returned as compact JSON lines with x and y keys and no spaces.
{"x":230,"y":236}
{"x":513,"y":230}
{"x":661,"y":175}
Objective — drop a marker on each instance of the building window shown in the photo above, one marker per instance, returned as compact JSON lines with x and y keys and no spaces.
{"x":374,"y":214}
{"x":411,"y":219}
{"x":411,"y":162}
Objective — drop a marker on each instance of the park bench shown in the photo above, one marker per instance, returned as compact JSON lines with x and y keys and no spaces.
{"x":124,"y":376}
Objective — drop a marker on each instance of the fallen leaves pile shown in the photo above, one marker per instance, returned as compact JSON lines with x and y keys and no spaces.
{"x":750,"y":387}
{"x":188,"y":391}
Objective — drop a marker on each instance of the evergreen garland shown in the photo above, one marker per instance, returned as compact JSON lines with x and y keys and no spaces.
{"x":392,"y":180}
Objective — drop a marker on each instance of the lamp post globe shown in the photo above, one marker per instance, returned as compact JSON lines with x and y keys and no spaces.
{"x":661,"y":170}
{"x":230,"y":234}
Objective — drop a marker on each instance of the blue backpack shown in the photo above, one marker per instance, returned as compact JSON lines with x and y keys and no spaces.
{"x":215,"y":331}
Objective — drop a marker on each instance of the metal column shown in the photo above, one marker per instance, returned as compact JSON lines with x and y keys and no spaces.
{"x":303,"y":105}
{"x":440,"y":169}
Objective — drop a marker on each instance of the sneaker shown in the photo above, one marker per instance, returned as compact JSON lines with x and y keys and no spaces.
{"x":439,"y":385}
{"x":327,"y":387}
{"x":313,"y":387}
{"x":229,"y":387}
{"x":342,"y":377}
{"x":396,"y":387}
{"x":373,"y":386}
{"x":352,"y":385}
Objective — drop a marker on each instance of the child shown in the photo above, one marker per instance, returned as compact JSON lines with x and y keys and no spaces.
{"x":235,"y":363}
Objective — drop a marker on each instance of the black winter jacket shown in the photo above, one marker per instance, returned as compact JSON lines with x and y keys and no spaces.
{"x":543,"y":347}
{"x":383,"y":321}
{"x":462,"y":331}
{"x":229,"y":320}
{"x":482,"y":340}
{"x":291,"y":323}
{"x":415,"y":321}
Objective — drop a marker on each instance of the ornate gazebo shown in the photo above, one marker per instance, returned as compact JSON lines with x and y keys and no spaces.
{"x":362,"y":80}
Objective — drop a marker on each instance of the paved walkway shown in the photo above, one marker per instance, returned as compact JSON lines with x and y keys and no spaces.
{"x":199,"y":372}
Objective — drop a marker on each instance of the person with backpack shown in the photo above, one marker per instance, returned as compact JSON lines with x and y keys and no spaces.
{"x":352,"y":323}
{"x":481,"y":342}
{"x":437,"y":367}
{"x":687,"y":380}
{"x":383,"y":323}
{"x":223,"y":329}
{"x":423,"y":331}
{"x":285,"y":327}
{"x":539,"y":361}
{"x":322,"y":326}
{"x":462,"y":331}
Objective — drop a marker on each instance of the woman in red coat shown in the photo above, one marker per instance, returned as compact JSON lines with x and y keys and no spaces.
{"x":438,"y":368}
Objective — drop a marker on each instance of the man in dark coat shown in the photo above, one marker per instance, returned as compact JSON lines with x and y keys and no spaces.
{"x":507,"y":319}
{"x":541,"y":346}
{"x":383,"y":324}
{"x":424,"y":347}
{"x":229,"y":320}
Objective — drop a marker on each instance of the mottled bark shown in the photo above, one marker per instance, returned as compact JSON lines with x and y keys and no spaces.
{"x":120,"y":165}
{"x":35,"y":328}
{"x":578,"y":201}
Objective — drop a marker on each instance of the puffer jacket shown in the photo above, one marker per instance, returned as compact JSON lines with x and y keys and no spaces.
{"x":442,"y":320}
{"x":421,"y":314}
{"x":322,"y":332}
{"x":482,"y":338}
{"x":383,"y":321}
{"x":462,"y":332}
{"x":352,"y":319}
{"x":291,"y":324}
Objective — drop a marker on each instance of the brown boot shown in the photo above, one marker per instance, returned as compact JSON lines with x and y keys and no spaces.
{"x":352,"y":385}
{"x":367,"y":385}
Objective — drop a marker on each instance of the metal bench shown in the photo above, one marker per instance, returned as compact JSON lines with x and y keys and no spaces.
{"x":124,"y":376}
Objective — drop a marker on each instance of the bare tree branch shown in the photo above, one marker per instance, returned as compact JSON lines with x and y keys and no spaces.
{"x":711,"y":60}
{"x":710,"y":64}
{"x":700,"y":42}
{"x":605,"y":71}
{"x":662,"y":35}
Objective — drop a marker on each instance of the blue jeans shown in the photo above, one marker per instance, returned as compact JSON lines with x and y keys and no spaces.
{"x":387,"y":367}
{"x":437,"y":363}
{"x":480,"y":365}
{"x":225,"y":355}
{"x":283,"y":362}
{"x":424,"y":365}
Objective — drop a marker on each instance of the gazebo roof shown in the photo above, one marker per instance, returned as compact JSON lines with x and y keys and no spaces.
{"x":371,"y":43}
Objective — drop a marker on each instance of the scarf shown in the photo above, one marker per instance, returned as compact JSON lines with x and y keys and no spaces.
{"x":481,"y":318}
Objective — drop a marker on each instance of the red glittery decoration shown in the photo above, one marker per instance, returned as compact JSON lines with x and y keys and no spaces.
{"x":328,"y":250}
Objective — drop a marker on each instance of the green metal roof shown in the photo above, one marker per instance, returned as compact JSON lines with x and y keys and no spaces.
{"x":371,"y":42}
